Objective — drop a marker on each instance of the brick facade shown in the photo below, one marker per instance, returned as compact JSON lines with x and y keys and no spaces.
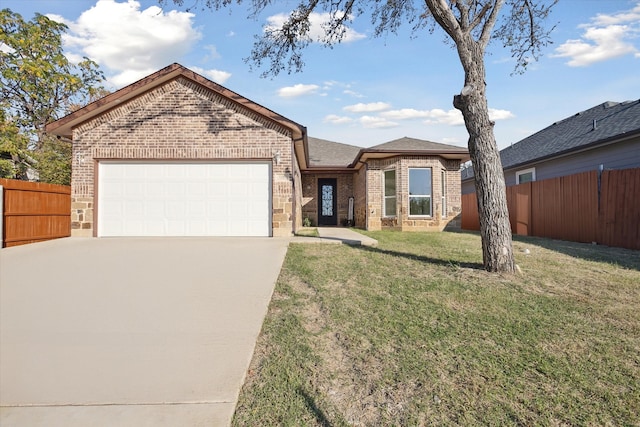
{"x":178,"y":115}
{"x":344,"y":190}
{"x":375,"y":220}
{"x":366,"y":186}
{"x":182,"y":120}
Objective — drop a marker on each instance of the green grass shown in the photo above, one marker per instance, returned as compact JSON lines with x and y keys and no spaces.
{"x":414,"y":332}
{"x":308,"y":232}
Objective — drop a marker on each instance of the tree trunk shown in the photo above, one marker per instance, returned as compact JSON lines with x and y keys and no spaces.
{"x":495,"y":229}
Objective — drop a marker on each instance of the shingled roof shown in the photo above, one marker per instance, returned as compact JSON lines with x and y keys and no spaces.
{"x":605,"y":123}
{"x":598,"y":125}
{"x":323,"y":153}
{"x":413,"y":144}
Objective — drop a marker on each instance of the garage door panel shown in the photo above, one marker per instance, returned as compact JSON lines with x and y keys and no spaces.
{"x":134,"y":209}
{"x":184,"y":199}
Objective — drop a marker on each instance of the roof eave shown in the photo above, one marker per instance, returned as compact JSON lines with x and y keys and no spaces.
{"x":366,"y":154}
{"x":329,"y":169}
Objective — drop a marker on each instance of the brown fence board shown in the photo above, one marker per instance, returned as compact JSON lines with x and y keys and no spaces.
{"x":569,"y":208}
{"x":34,"y":212}
{"x":470,"y":219}
{"x":520,"y":199}
{"x":620,"y":209}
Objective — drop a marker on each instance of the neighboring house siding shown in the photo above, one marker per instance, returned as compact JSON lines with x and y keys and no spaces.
{"x":621,"y":155}
{"x":469,"y":186}
{"x":344,"y":189}
{"x":180,"y":120}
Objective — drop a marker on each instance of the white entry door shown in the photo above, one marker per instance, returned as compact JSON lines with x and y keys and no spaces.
{"x":183,"y":199}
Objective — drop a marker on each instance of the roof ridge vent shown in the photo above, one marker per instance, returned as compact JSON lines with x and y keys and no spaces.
{"x":610,"y":104}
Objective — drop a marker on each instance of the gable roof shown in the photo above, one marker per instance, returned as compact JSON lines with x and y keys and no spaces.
{"x":329,"y":154}
{"x":602,"y":124}
{"x":412,"y":147}
{"x":64,"y":126}
{"x":311,"y":152}
{"x":413,"y":144}
{"x":323,"y":153}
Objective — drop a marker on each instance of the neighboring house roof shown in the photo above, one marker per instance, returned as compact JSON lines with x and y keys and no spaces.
{"x":600,"y":125}
{"x":323,"y":153}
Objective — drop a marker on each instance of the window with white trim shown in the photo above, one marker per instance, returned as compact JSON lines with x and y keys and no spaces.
{"x":525,"y":175}
{"x":390,"y":193}
{"x":420,"y":192}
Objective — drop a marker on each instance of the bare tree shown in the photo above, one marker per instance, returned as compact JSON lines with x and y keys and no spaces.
{"x":471,"y":25}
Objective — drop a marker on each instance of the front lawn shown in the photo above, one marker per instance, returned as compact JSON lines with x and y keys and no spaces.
{"x":414,"y":332}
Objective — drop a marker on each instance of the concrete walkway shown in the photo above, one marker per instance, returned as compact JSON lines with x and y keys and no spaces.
{"x":131,"y":332}
{"x":338,"y":235}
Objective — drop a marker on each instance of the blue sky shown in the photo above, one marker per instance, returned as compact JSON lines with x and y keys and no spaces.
{"x":366,"y":90}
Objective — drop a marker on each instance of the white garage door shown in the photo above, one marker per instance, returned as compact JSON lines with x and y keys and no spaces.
{"x":183,"y":199}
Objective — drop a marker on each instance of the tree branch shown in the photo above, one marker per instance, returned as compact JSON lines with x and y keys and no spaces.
{"x":445,"y":18}
{"x":487,"y":29}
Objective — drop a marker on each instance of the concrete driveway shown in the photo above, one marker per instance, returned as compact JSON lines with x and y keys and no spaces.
{"x":131,"y":332}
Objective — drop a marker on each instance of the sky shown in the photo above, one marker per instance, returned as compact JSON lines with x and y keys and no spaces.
{"x":367,"y":90}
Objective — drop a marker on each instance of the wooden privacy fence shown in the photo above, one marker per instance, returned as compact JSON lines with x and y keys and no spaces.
{"x":33,"y":212}
{"x":577,"y":208}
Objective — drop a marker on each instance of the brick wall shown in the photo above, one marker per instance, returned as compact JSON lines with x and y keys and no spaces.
{"x":180,"y":120}
{"x":360,"y":202}
{"x":344,"y":190}
{"x":403,"y":221}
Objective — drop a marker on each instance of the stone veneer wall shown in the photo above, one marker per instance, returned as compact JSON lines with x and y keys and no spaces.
{"x":374,"y":177}
{"x":297,"y":196}
{"x":360,"y":202}
{"x":180,"y":120}
{"x":344,"y":189}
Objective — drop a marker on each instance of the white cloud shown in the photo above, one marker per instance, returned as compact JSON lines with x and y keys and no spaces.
{"x":129,"y":41}
{"x":213,"y":52}
{"x":606,"y":37}
{"x":632,"y":15}
{"x":372,"y":122}
{"x":451,"y":117}
{"x":316,"y":30}
{"x":297,"y":90}
{"x":353,"y":93}
{"x":495,"y":114}
{"x":337,"y":120}
{"x":367,"y":108}
{"x":216,"y":75}
{"x":406,"y":114}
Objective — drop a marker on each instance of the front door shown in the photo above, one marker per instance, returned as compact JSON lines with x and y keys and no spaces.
{"x":327,"y":209}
